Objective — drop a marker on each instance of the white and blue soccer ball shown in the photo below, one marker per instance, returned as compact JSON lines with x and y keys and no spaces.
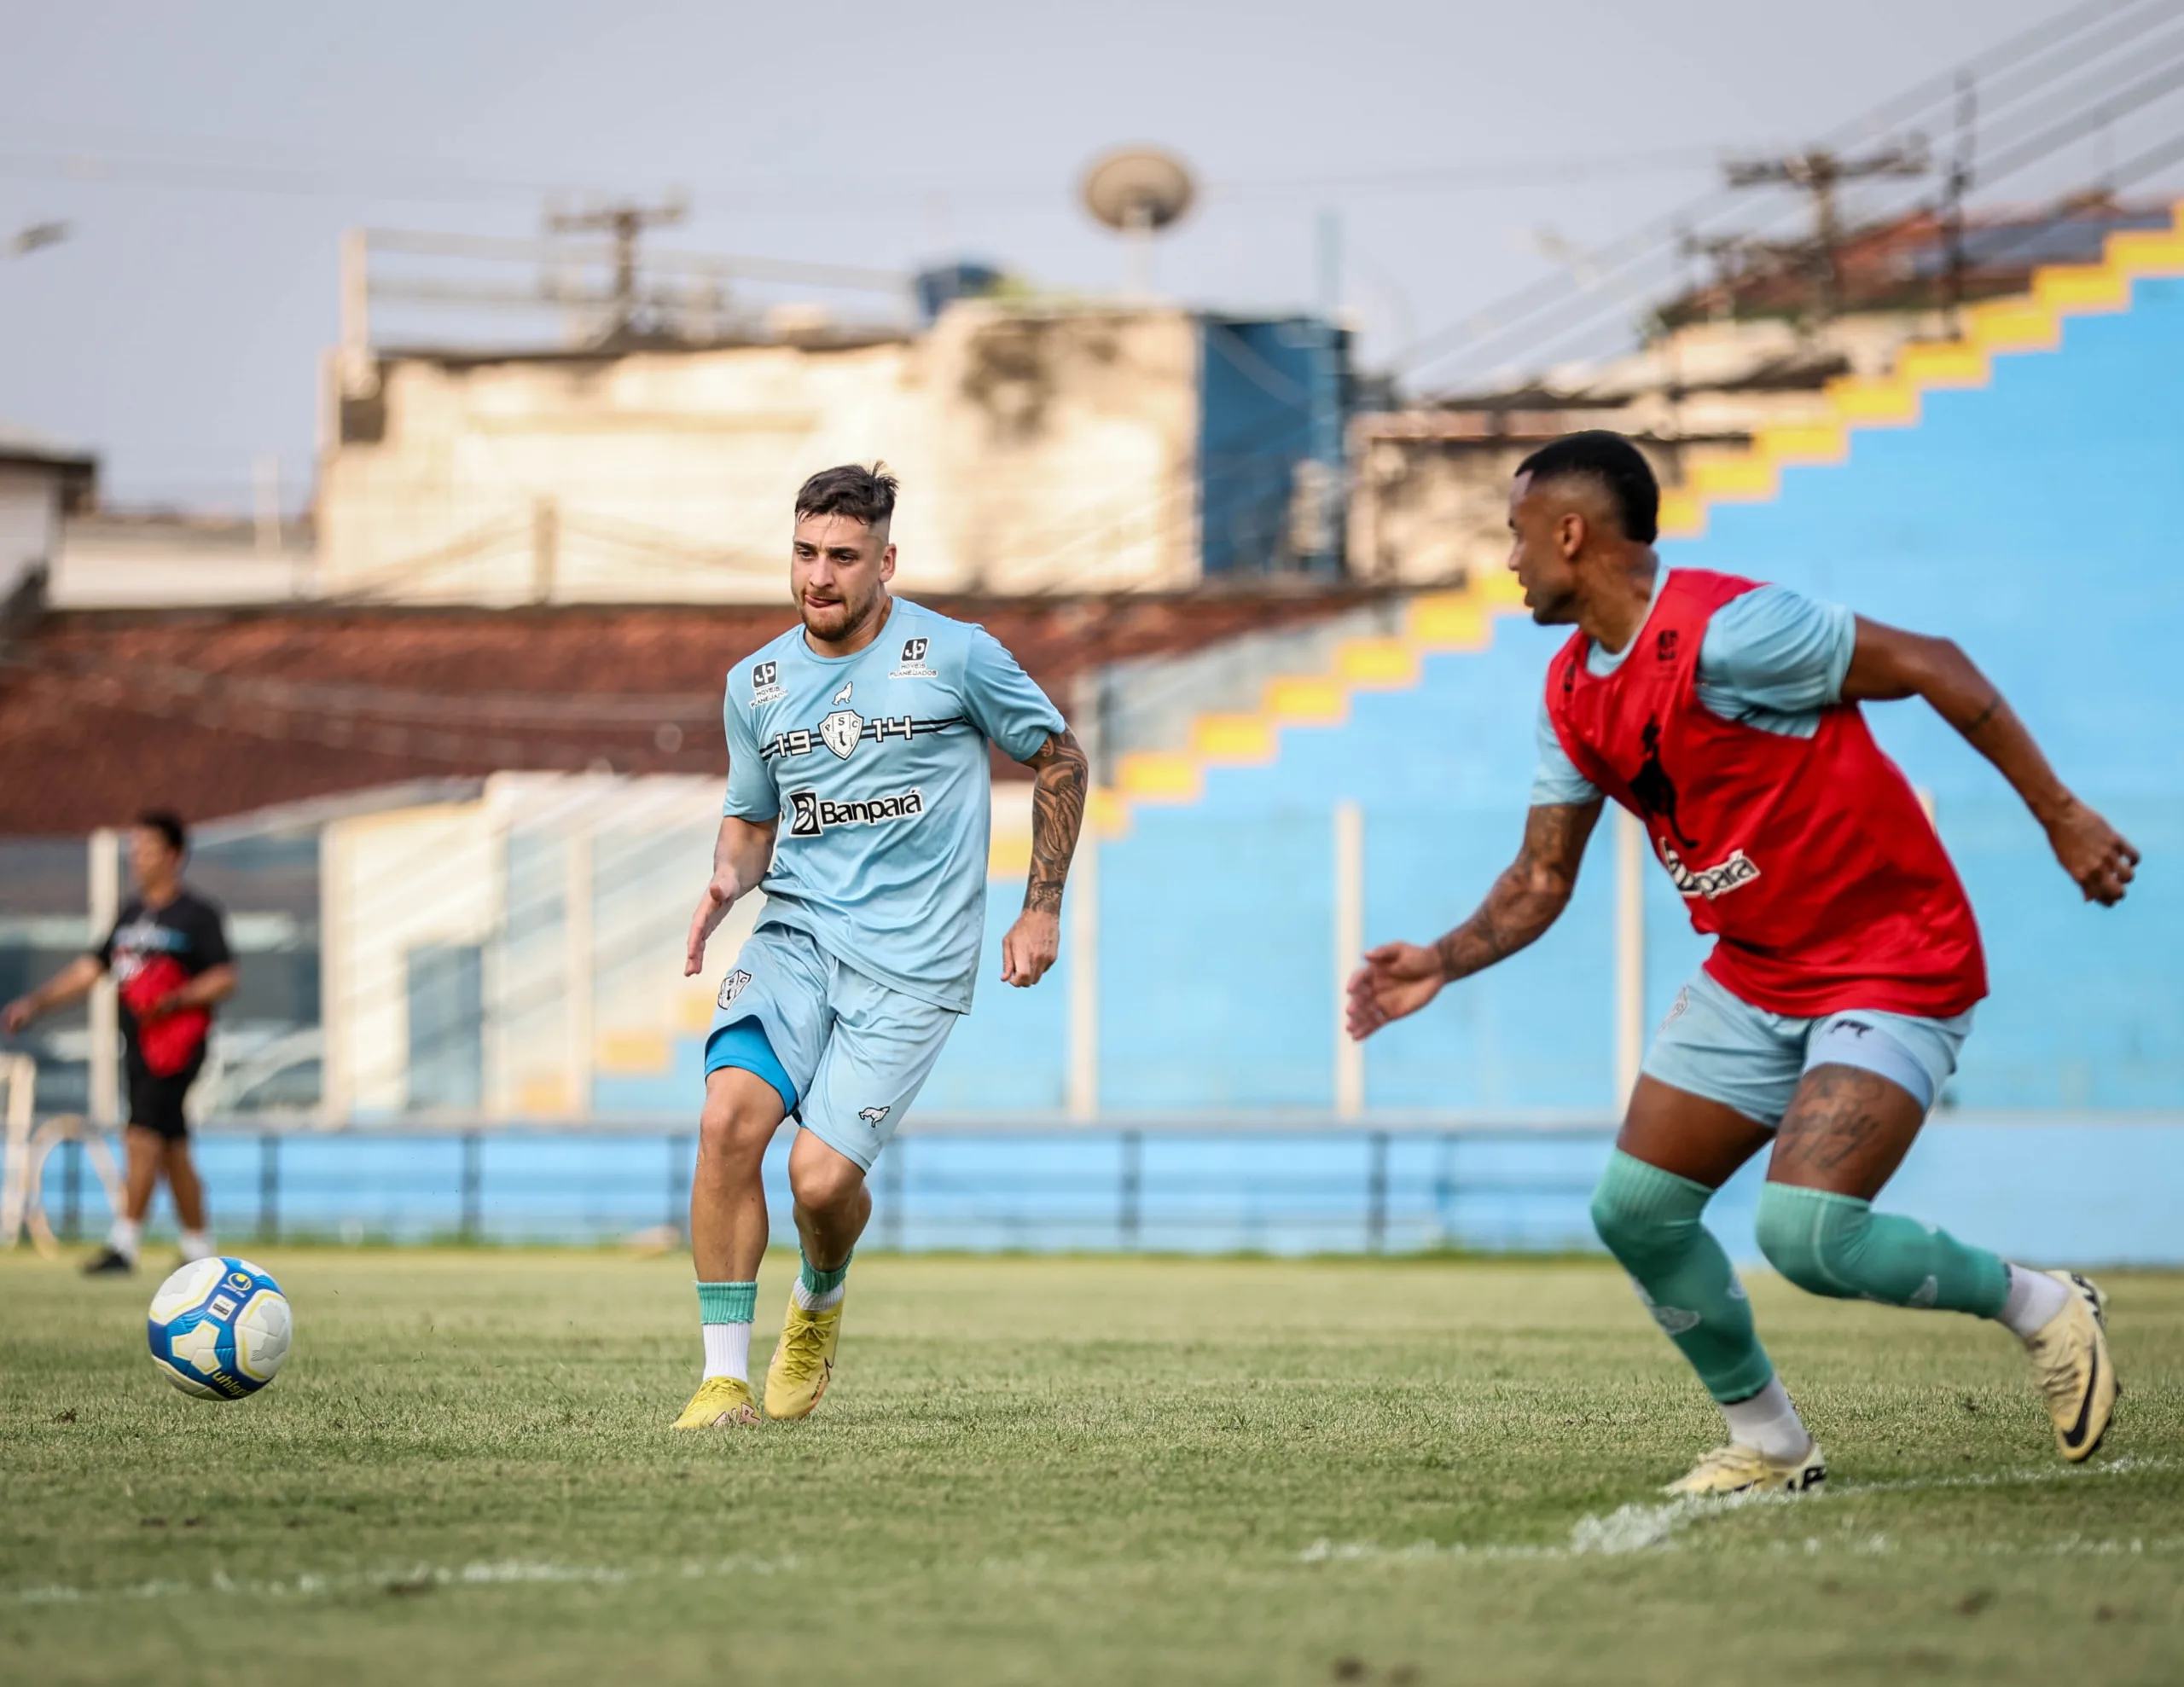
{"x":220,"y":1329}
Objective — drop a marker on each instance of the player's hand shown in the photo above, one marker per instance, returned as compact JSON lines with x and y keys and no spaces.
{"x":1030,"y":947}
{"x":169,"y":1003}
{"x":17,"y":1014}
{"x":1396,"y":979}
{"x":2094,"y":853}
{"x":712,"y":908}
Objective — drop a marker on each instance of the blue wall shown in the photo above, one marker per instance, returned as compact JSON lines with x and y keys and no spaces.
{"x":2078,"y":1189}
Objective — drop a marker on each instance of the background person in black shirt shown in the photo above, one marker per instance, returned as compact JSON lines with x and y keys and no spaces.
{"x":168,"y":955}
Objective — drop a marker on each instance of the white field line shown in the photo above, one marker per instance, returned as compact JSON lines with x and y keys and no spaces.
{"x":1641,"y":1527}
{"x":1628,"y":1529}
{"x":408,"y":1579}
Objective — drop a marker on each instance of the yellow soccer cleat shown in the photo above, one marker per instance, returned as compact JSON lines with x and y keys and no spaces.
{"x":721,"y":1403}
{"x":1744,"y":1469}
{"x":2071,"y":1368}
{"x":803,"y":1360}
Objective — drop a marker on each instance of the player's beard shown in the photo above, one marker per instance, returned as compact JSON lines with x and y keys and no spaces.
{"x":832,"y":623}
{"x":1551,"y":608}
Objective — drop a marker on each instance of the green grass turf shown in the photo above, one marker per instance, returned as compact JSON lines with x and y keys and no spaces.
{"x":1062,"y":1471}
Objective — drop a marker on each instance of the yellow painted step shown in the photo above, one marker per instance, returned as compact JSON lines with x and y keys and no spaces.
{"x":1318,"y":700}
{"x":1825,"y":442}
{"x":1450,"y":621}
{"x":2147,"y":251}
{"x":633,"y":1053}
{"x":1243,"y":739}
{"x":1951,"y":363}
{"x":1683,"y":513}
{"x":1108,"y":812}
{"x":1377,"y":664}
{"x":1734,"y":477}
{"x":1863,"y":402}
{"x":2015,"y":325}
{"x":1160,"y":776}
{"x":2081,"y":288}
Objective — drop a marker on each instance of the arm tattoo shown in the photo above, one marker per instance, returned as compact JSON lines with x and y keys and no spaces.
{"x":1994,"y":704}
{"x":1057,"y":813}
{"x":1529,"y":896}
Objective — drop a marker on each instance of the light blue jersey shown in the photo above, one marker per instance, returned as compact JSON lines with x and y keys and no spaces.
{"x":876,"y":765}
{"x":1772,"y":659}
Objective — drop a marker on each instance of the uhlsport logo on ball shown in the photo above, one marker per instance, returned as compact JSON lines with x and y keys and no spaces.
{"x":220,"y":1328}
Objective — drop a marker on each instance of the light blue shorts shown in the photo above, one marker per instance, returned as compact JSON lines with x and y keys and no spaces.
{"x":855,"y":1053}
{"x":1717,"y":1045}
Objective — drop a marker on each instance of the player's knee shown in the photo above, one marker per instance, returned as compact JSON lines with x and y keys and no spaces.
{"x":1816,"y":1245}
{"x":824,"y":1185}
{"x":1645,"y":1217}
{"x":732,"y":1128}
{"x":1621,"y":1229}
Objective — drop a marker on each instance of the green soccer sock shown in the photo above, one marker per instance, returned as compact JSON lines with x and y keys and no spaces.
{"x":818,"y":1290}
{"x":1837,"y":1245}
{"x":724,"y":1312}
{"x":1650,"y":1221}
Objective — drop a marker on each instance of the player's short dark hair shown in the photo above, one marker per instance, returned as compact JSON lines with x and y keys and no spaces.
{"x":168,"y":824}
{"x":865,"y":495}
{"x":1612,"y":463}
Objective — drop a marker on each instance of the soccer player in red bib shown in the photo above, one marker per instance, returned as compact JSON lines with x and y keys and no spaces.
{"x":168,"y":954}
{"x":1724,"y":713}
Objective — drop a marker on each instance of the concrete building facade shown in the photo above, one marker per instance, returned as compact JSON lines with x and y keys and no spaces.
{"x":1040,"y":449}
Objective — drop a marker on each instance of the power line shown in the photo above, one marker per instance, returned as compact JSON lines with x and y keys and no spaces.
{"x":427,"y":183}
{"x":1641,"y":259}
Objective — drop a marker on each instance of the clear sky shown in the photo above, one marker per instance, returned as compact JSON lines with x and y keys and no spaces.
{"x":208,"y":157}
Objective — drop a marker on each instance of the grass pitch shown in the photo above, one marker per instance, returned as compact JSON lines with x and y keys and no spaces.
{"x":1044,"y":1471}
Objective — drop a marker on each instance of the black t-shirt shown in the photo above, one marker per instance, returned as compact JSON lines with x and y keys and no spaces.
{"x":188,"y":929}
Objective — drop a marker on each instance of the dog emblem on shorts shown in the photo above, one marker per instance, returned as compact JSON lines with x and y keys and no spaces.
{"x":732,"y":986}
{"x":874,"y":1116}
{"x":840,"y":731}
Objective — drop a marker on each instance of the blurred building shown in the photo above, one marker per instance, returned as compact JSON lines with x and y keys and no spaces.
{"x":1044,"y":448}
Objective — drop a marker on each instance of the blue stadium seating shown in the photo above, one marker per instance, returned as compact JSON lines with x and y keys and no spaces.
{"x":2029,"y":520}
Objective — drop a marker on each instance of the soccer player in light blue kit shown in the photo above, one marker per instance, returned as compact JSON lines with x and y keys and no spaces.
{"x":858,"y":803}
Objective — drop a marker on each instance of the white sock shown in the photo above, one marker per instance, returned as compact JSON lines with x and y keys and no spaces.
{"x":2035,"y":1298}
{"x":1769,"y":1424}
{"x":124,"y":1236}
{"x":728,"y":1351}
{"x":804,"y":1297}
{"x":196,"y":1244}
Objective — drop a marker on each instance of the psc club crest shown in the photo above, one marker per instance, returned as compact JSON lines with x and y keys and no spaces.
{"x":840,"y":731}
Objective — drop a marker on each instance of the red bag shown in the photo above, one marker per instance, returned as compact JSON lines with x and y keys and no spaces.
{"x":171,"y":1042}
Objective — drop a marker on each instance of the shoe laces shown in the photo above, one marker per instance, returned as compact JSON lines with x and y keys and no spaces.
{"x":1727,"y":1457}
{"x":804,"y":1346}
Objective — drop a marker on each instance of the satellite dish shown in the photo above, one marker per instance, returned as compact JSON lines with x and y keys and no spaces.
{"x":1137,"y":189}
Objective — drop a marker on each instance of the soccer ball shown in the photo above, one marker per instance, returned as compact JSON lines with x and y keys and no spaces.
{"x":220,"y":1329}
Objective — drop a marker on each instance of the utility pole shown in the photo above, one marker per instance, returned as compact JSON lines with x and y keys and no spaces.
{"x":1954,"y":190}
{"x":624,"y":222}
{"x":1821,"y":174}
